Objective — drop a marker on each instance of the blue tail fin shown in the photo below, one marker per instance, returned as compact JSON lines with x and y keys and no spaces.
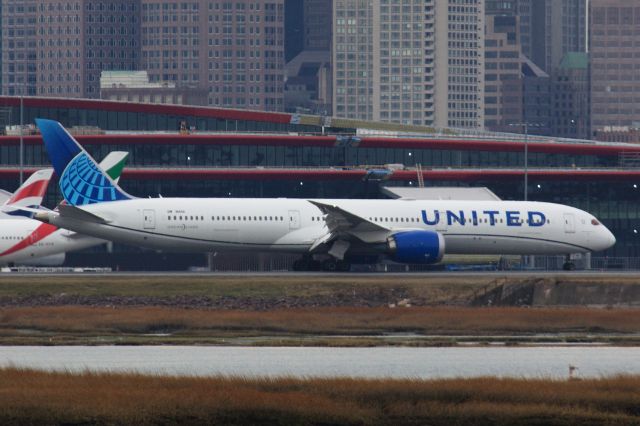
{"x":82,"y":182}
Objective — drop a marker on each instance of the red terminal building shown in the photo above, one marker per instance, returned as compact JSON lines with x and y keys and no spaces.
{"x":213,"y":152}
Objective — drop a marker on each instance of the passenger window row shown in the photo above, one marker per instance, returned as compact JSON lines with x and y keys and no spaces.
{"x":394,"y":219}
{"x":228,"y":218}
{"x":414,"y":220}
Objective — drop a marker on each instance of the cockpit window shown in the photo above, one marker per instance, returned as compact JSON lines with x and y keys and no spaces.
{"x":595,"y":222}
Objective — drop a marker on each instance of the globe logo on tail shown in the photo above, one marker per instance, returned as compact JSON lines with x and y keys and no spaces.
{"x":83,"y":183}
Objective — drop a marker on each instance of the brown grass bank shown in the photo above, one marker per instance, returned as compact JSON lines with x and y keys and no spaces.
{"x":28,"y":397}
{"x":451,"y":321}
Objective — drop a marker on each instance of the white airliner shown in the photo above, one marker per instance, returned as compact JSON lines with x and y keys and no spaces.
{"x":26,"y":241}
{"x":406,"y":231}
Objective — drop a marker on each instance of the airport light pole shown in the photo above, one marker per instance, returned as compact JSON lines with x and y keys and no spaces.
{"x":21,"y":153}
{"x":525,"y":126}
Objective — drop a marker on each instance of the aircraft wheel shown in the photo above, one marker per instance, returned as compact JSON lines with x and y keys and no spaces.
{"x":569,"y":266}
{"x":330,"y":265}
{"x":343,"y":266}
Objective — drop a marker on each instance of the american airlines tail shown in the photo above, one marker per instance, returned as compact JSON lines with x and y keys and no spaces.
{"x":82,"y":182}
{"x":29,"y":195}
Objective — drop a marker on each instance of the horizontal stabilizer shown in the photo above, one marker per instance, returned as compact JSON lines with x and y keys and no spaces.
{"x":4,"y":196}
{"x":71,"y":212}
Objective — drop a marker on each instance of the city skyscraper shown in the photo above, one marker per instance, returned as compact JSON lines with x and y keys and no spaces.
{"x":570,"y":97}
{"x":559,"y":27}
{"x":233,"y":50}
{"x":503,"y":73}
{"x":615,"y":61}
{"x":58,"y":48}
{"x":317,"y":24}
{"x":77,"y":40}
{"x":19,"y":47}
{"x":419,"y":62}
{"x":548,"y":28}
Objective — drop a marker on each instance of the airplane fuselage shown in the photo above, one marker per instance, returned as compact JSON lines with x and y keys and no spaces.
{"x":293,"y":225}
{"x":30,"y":241}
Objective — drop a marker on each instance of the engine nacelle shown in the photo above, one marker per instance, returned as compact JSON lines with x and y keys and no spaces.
{"x":424,"y":247}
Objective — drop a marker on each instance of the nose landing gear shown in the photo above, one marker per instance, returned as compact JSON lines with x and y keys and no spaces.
{"x":568,"y":265}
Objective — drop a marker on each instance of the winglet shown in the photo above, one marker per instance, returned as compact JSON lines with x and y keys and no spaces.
{"x":82,"y":182}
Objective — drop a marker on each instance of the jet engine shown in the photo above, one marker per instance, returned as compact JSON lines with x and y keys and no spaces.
{"x":423,"y":247}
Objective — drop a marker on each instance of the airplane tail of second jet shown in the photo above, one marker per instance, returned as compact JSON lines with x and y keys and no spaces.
{"x":82,"y":181}
{"x":29,"y":195}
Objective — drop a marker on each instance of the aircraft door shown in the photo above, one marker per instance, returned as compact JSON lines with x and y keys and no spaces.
{"x":149,"y":219}
{"x":569,"y":223}
{"x":294,"y":219}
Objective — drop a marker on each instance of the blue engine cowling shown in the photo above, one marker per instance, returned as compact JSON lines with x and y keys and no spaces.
{"x":424,"y":247}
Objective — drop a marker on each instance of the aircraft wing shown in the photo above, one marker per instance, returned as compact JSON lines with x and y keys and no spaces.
{"x":341,"y":220}
{"x":344,"y":225}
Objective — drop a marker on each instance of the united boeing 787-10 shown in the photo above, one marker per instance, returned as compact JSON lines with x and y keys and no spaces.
{"x":406,"y":231}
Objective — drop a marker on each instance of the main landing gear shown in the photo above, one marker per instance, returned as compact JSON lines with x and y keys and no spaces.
{"x":335,"y":265}
{"x":307,"y":263}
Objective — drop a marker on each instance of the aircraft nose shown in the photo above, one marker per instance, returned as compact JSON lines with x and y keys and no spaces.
{"x":612,"y":238}
{"x":606,"y":240}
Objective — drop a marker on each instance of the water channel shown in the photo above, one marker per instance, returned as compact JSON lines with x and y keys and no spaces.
{"x":379,"y":362}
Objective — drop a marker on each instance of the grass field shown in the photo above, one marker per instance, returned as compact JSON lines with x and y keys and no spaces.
{"x":79,"y":325}
{"x":436,"y":289}
{"x":28,"y":397}
{"x":295,"y":310}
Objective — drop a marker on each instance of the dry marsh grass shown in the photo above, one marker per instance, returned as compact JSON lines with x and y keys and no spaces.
{"x":320,"y":321}
{"x":29,"y":397}
{"x":235,"y":286}
{"x":433,"y":287}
